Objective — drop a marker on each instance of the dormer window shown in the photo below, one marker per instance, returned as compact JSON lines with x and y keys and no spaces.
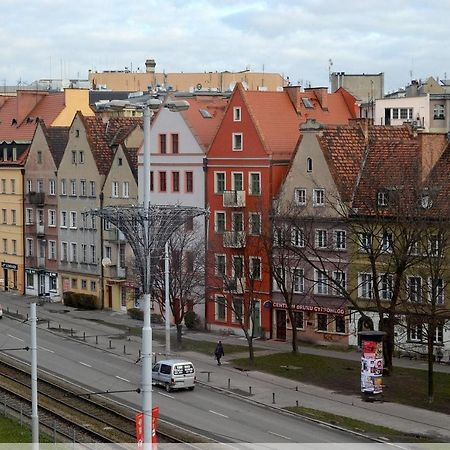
{"x":237,"y":114}
{"x":309,"y":165}
{"x":382,"y":198}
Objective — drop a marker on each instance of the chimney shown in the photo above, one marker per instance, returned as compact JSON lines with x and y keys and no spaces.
{"x":432,"y":145}
{"x":294,"y":96}
{"x":150,"y":66}
{"x":322,"y":96}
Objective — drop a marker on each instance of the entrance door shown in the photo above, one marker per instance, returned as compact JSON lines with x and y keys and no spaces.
{"x":6,"y":278}
{"x":41,"y":284}
{"x":109,"y":294}
{"x":281,"y":324}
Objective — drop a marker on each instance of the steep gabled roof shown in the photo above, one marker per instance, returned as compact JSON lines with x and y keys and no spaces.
{"x":57,"y":138}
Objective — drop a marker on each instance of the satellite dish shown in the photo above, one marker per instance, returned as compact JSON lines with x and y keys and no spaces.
{"x":106,"y":262}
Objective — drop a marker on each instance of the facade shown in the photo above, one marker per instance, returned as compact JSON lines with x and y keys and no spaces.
{"x":365,"y":87}
{"x":41,"y":211}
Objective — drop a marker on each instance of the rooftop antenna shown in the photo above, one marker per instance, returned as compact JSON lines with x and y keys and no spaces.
{"x":330,"y":65}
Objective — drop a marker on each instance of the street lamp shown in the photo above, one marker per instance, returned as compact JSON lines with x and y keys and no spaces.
{"x":174,"y":106}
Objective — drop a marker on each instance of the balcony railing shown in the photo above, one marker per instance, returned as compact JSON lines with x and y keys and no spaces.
{"x":40,"y":230}
{"x":113,"y":235}
{"x":234,"y":239}
{"x":234,"y":285}
{"x":36,"y":198}
{"x":41,"y":262}
{"x":115,"y":272}
{"x":234,"y":199}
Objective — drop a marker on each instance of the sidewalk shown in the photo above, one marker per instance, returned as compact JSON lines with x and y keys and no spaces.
{"x":265,"y":389}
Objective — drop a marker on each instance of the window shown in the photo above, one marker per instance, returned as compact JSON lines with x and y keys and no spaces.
{"x":300,"y":196}
{"x":255,"y":268}
{"x":382,"y":198}
{"x":29,"y":216}
{"x":83,"y":188}
{"x":81,"y":157}
{"x":219,"y":222}
{"x":237,"y":114}
{"x":40,"y":185}
{"x":14,"y":154}
{"x":64,"y":251}
{"x":321,"y":238}
{"x":298,"y":281}
{"x":238,"y":266}
{"x":74,"y":283}
{"x":40,"y":216}
{"x":439,"y":112}
{"x":174,"y":143}
{"x":162,"y":143}
{"x":322,"y":322}
{"x":395,"y":113}
{"x":365,"y":242}
{"x":63,"y":187}
{"x":255,"y":224}
{"x":73,"y":220}
{"x":108,"y":251}
{"x":386,"y":286}
{"x":3,"y":186}
{"x":237,"y":139}
{"x":299,"y":320}
{"x":115,"y":189}
{"x":52,"y":250}
{"x":219,"y":182}
{"x":13,"y":217}
{"x":52,"y":218}
{"x":77,"y":133}
{"x":189,"y":182}
{"x":436,"y":292}
{"x":51,"y":187}
{"x":73,"y":252}
{"x":403,"y":113}
{"x":415,"y":289}
{"x":339,"y":324}
{"x":39,"y":157}
{"x":321,"y":282}
{"x":415,"y":332}
{"x":84,"y":284}
{"x":93,"y":254}
{"x":73,"y":188}
{"x":413,"y":248}
{"x":438,"y":335}
{"x":220,"y":308}
{"x":151,"y":180}
{"x":92,"y":188}
{"x":30,"y":280}
{"x":125,"y":189}
{"x":52,"y":283}
{"x":29,"y":186}
{"x":237,"y":221}
{"x":255,"y":183}
{"x":434,"y":245}
{"x":365,"y":285}
{"x":29,"y":251}
{"x":74,"y":157}
{"x":339,"y":282}
{"x":340,"y":239}
{"x":13,"y":187}
{"x":386,"y":243}
{"x":122,"y":255}
{"x":5,"y":245}
{"x":309,"y":165}
{"x":162,"y":182}
{"x":237,"y":309}
{"x":4,"y":217}
{"x":237,"y":181}
{"x":175,"y":181}
{"x":319,"y":197}
{"x":297,"y":237}
{"x":119,"y":161}
{"x":63,"y":223}
{"x":220,"y":267}
{"x":93,"y":286}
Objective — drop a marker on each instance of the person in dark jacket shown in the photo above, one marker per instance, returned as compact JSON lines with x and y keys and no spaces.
{"x":218,"y":352}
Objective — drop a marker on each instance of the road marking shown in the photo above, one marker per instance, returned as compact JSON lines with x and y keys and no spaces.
{"x":84,"y":364}
{"x":46,"y":349}
{"x":166,"y":395}
{"x":280,"y":435}
{"x":221,"y":415}
{"x":123,"y":379}
{"x":14,"y":337}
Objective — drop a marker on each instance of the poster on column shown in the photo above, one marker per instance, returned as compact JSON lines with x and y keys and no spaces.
{"x":372,"y":367}
{"x":140,"y":427}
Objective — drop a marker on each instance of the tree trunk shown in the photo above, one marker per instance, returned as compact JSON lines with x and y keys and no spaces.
{"x":430,"y":355}
{"x":387,"y":325}
{"x":251,"y":351}
{"x":179,"y":336}
{"x":294,"y":333}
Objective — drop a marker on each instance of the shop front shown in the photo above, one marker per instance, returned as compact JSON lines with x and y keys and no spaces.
{"x":10,"y":276}
{"x":41,"y":283}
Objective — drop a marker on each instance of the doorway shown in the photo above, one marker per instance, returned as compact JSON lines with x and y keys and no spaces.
{"x":109,"y":296}
{"x":281,"y":324}
{"x":6,"y":278}
{"x":41,"y":284}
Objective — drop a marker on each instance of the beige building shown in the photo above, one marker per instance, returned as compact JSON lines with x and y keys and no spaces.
{"x":365,"y":87}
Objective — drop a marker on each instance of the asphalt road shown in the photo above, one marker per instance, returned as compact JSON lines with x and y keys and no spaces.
{"x":224,"y":418}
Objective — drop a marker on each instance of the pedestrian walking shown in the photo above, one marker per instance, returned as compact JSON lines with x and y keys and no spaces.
{"x":218,"y":352}
{"x":439,"y":354}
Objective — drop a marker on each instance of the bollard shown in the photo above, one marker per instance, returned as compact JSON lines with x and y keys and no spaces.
{"x":59,"y":327}
{"x":17,"y":311}
{"x":96,"y":340}
{"x":110,"y":346}
{"x":27,"y":316}
{"x":139,"y":353}
{"x":273,"y":398}
{"x":71,"y":332}
{"x":209,"y":376}
{"x":296,"y":403}
{"x":84,"y":335}
{"x":296,"y":388}
{"x":124,"y":350}
{"x":250,"y":390}
{"x":229,"y":383}
{"x":48,"y":324}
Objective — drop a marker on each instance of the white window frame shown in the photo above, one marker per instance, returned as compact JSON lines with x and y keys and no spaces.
{"x":365,"y":242}
{"x":125,"y":189}
{"x":298,"y":281}
{"x":321,"y":239}
{"x":237,"y":114}
{"x":216,"y":214}
{"x":440,"y":294}
{"x":63,"y":221}
{"x":29,"y":248}
{"x":320,"y":282}
{"x":340,"y":240}
{"x":233,"y":182}
{"x":415,"y":292}
{"x":29,"y":216}
{"x":216,"y":182}
{"x":73,"y":188}
{"x":51,"y":187}
{"x":236,"y":139}
{"x":73,"y":222}
{"x":216,"y":265}
{"x":386,"y":283}
{"x":115,"y":189}
{"x":217,"y":306}
{"x":52,"y":250}
{"x":83,"y":188}
{"x":300,"y":196}
{"x":298,"y":237}
{"x":318,"y":197}
{"x":382,"y":198}
{"x":74,"y":252}
{"x":250,"y":186}
{"x":365,"y":285}
{"x":52,"y":218}
{"x":339,"y":278}
{"x":63,"y":187}
{"x":387,"y":241}
{"x":64,"y":251}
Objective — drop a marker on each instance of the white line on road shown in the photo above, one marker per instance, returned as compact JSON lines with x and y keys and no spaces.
{"x":280,"y":435}
{"x":221,"y":415}
{"x":84,"y":364}
{"x":14,"y":337}
{"x":166,"y":395}
{"x":46,"y":349}
{"x":123,"y":379}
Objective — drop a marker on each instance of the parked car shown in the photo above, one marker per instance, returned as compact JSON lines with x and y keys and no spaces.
{"x":174,"y":374}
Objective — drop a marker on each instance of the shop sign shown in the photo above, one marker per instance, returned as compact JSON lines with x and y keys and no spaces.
{"x":311,"y":308}
{"x":10,"y":266}
{"x":51,"y":274}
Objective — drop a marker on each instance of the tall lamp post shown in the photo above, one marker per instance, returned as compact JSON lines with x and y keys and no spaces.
{"x":147,"y":360}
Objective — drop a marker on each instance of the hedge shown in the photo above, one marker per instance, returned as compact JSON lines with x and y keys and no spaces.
{"x":79,"y":300}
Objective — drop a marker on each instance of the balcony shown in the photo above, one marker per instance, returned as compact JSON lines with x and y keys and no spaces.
{"x":40,"y":262}
{"x":234,"y":285}
{"x":36,"y":198}
{"x":40,"y":230}
{"x":234,"y":239}
{"x":234,"y":199}
{"x":113,"y":235}
{"x":116,"y":273}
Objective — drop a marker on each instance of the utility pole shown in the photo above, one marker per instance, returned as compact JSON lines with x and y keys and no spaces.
{"x":34,"y":393}
{"x":167,"y":296}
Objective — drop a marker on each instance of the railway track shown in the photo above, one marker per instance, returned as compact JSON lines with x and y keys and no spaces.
{"x":69,"y":410}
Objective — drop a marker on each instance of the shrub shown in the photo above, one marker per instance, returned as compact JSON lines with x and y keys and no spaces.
{"x":190,"y":319}
{"x":79,"y":300}
{"x":136,"y":313}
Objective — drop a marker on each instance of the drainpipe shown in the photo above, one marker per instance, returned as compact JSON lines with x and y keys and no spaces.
{"x":102,"y":269}
{"x":22,"y":172}
{"x":205,"y":174}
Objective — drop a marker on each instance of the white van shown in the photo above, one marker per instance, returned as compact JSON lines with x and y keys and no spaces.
{"x":174,"y":374}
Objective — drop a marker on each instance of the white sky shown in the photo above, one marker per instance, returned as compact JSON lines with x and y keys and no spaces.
{"x":50,"y":38}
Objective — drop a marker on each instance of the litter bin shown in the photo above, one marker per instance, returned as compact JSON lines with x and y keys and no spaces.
{"x":372,"y":365}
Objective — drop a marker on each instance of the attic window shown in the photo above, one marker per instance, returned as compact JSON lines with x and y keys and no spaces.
{"x":205,"y":114}
{"x":237,"y":114}
{"x":119,"y":161}
{"x":13,"y":122}
{"x":77,"y":133}
{"x":307,"y":103}
{"x":382,"y":198}
{"x":309,"y":165}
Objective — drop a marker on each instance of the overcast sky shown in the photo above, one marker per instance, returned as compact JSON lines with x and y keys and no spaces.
{"x":297,"y":38}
